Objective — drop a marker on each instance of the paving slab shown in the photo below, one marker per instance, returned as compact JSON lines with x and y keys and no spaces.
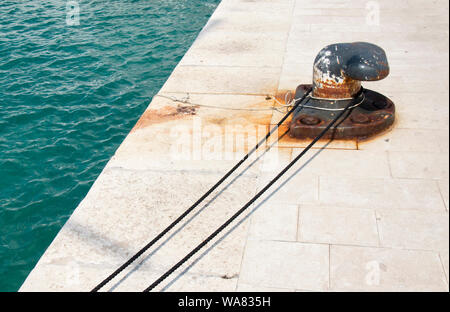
{"x":381,"y":269}
{"x":419,"y":165}
{"x":237,"y":49}
{"x":407,"y":194}
{"x":409,"y":140}
{"x":413,"y":230}
{"x":333,"y":162}
{"x":337,"y":225}
{"x":293,"y":189}
{"x":285,"y":265}
{"x":274,"y":221}
{"x":232,"y":80}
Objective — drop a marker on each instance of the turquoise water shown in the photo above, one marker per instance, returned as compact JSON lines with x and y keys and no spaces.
{"x":68,"y":97}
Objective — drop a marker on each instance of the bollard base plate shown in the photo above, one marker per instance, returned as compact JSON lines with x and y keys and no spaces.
{"x":374,"y":115}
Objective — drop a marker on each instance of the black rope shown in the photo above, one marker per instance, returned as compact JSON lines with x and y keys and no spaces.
{"x":240,"y":211}
{"x":182,"y":216}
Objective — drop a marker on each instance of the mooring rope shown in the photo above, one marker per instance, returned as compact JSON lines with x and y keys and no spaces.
{"x":288,"y":103}
{"x":187,"y":100}
{"x":203,"y":197}
{"x":363,"y":97}
{"x":249,"y":203}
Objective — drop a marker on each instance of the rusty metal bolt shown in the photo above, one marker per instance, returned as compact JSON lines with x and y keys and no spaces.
{"x":381,"y":104}
{"x":310,"y":121}
{"x":360,"y":119}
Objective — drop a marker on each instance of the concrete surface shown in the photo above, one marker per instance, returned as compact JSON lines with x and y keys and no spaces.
{"x":351,"y":216}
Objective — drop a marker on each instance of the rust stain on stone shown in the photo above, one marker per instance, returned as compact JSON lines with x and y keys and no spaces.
{"x":290,"y":142}
{"x":244,"y":118}
{"x":225,"y":117}
{"x":164,"y":114}
{"x":208,"y":116}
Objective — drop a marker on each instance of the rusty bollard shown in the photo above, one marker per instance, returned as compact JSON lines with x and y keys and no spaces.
{"x":338,"y":72}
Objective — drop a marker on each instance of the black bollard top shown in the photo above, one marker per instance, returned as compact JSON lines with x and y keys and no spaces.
{"x":339,"y":68}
